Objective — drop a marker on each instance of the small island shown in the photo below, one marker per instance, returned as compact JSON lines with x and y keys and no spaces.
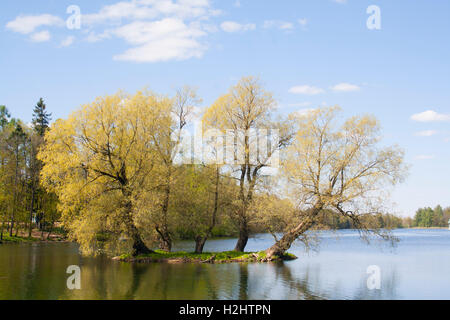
{"x":205,"y":257}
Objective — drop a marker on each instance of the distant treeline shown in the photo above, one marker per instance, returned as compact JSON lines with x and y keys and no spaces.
{"x":424,"y":217}
{"x":428,"y":217}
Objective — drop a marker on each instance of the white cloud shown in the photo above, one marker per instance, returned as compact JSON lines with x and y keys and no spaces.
{"x":28,"y":24}
{"x":96,"y":37}
{"x":426,"y":133}
{"x":305,"y":89}
{"x":161,"y":40}
{"x":151,"y":9}
{"x":425,"y":157}
{"x":345,"y":87}
{"x":231,"y":26}
{"x":430,"y":116}
{"x":42,"y":36}
{"x":159,"y":30}
{"x":155,"y":30}
{"x":237,"y":4}
{"x":340,"y":1}
{"x":67,"y":41}
{"x":282,"y":25}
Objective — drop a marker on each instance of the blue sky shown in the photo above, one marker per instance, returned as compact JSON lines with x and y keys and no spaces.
{"x":308,"y":53}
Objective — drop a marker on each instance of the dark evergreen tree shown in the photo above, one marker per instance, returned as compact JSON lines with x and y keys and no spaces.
{"x":41,"y":118}
{"x":4,"y":116}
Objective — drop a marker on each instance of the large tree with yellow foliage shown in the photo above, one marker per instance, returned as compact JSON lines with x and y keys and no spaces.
{"x":244,"y":113}
{"x":100,"y":161}
{"x":332,"y":167}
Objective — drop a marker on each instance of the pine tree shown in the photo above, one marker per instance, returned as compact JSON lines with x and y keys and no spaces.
{"x":41,"y":118}
{"x":4,"y":116}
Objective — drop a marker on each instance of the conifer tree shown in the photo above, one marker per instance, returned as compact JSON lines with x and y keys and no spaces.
{"x":41,"y":118}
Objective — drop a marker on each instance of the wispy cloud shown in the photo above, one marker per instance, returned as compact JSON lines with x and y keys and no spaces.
{"x":232,"y":26}
{"x":151,"y":9}
{"x":306,"y":89}
{"x":26,"y":24}
{"x":278,"y":24}
{"x":42,"y":36}
{"x":426,"y":133}
{"x":430,"y":116}
{"x":67,"y":42}
{"x":340,"y":1}
{"x":345,"y":87}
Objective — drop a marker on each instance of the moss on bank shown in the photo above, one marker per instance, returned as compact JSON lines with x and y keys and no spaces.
{"x":206,"y":257}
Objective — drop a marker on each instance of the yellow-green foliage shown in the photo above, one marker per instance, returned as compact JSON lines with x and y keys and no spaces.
{"x":101,"y":159}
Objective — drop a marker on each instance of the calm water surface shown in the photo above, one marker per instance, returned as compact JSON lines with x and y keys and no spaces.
{"x":417,"y":268}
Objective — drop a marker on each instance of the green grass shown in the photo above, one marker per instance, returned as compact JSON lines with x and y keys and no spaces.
{"x":226,"y":256}
{"x":13,"y":239}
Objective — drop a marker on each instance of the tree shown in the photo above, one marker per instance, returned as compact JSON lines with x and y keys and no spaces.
{"x":5,"y":195}
{"x":438,"y":216}
{"x":202,"y":196}
{"x":41,"y":118}
{"x":241,"y":113}
{"x":40,"y":123}
{"x":340,"y":169}
{"x":100,"y":161}
{"x":17,"y":149}
{"x":167,"y":140}
{"x":4,"y":116}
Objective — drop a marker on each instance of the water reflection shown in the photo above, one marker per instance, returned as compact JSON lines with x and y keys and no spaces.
{"x":338,"y":271}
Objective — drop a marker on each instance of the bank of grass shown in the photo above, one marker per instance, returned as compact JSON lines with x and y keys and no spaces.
{"x":18,"y":239}
{"x":205,"y":257}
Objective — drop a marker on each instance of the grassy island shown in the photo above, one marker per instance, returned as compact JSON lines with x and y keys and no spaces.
{"x":206,"y":257}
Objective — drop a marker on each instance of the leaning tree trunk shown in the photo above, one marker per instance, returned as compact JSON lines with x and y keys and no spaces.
{"x":281,"y":246}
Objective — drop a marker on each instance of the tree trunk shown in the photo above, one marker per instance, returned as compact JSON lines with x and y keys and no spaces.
{"x":42,"y":227}
{"x":50,"y":231}
{"x":17,"y":229}
{"x":11,"y":226}
{"x":199,"y":240}
{"x":281,"y":246}
{"x":139,"y":246}
{"x":165,"y":241}
{"x":200,"y":243}
{"x":243,"y":237}
{"x":31,"y":210}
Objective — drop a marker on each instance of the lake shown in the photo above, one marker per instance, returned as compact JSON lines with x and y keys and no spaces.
{"x":417,"y":268}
